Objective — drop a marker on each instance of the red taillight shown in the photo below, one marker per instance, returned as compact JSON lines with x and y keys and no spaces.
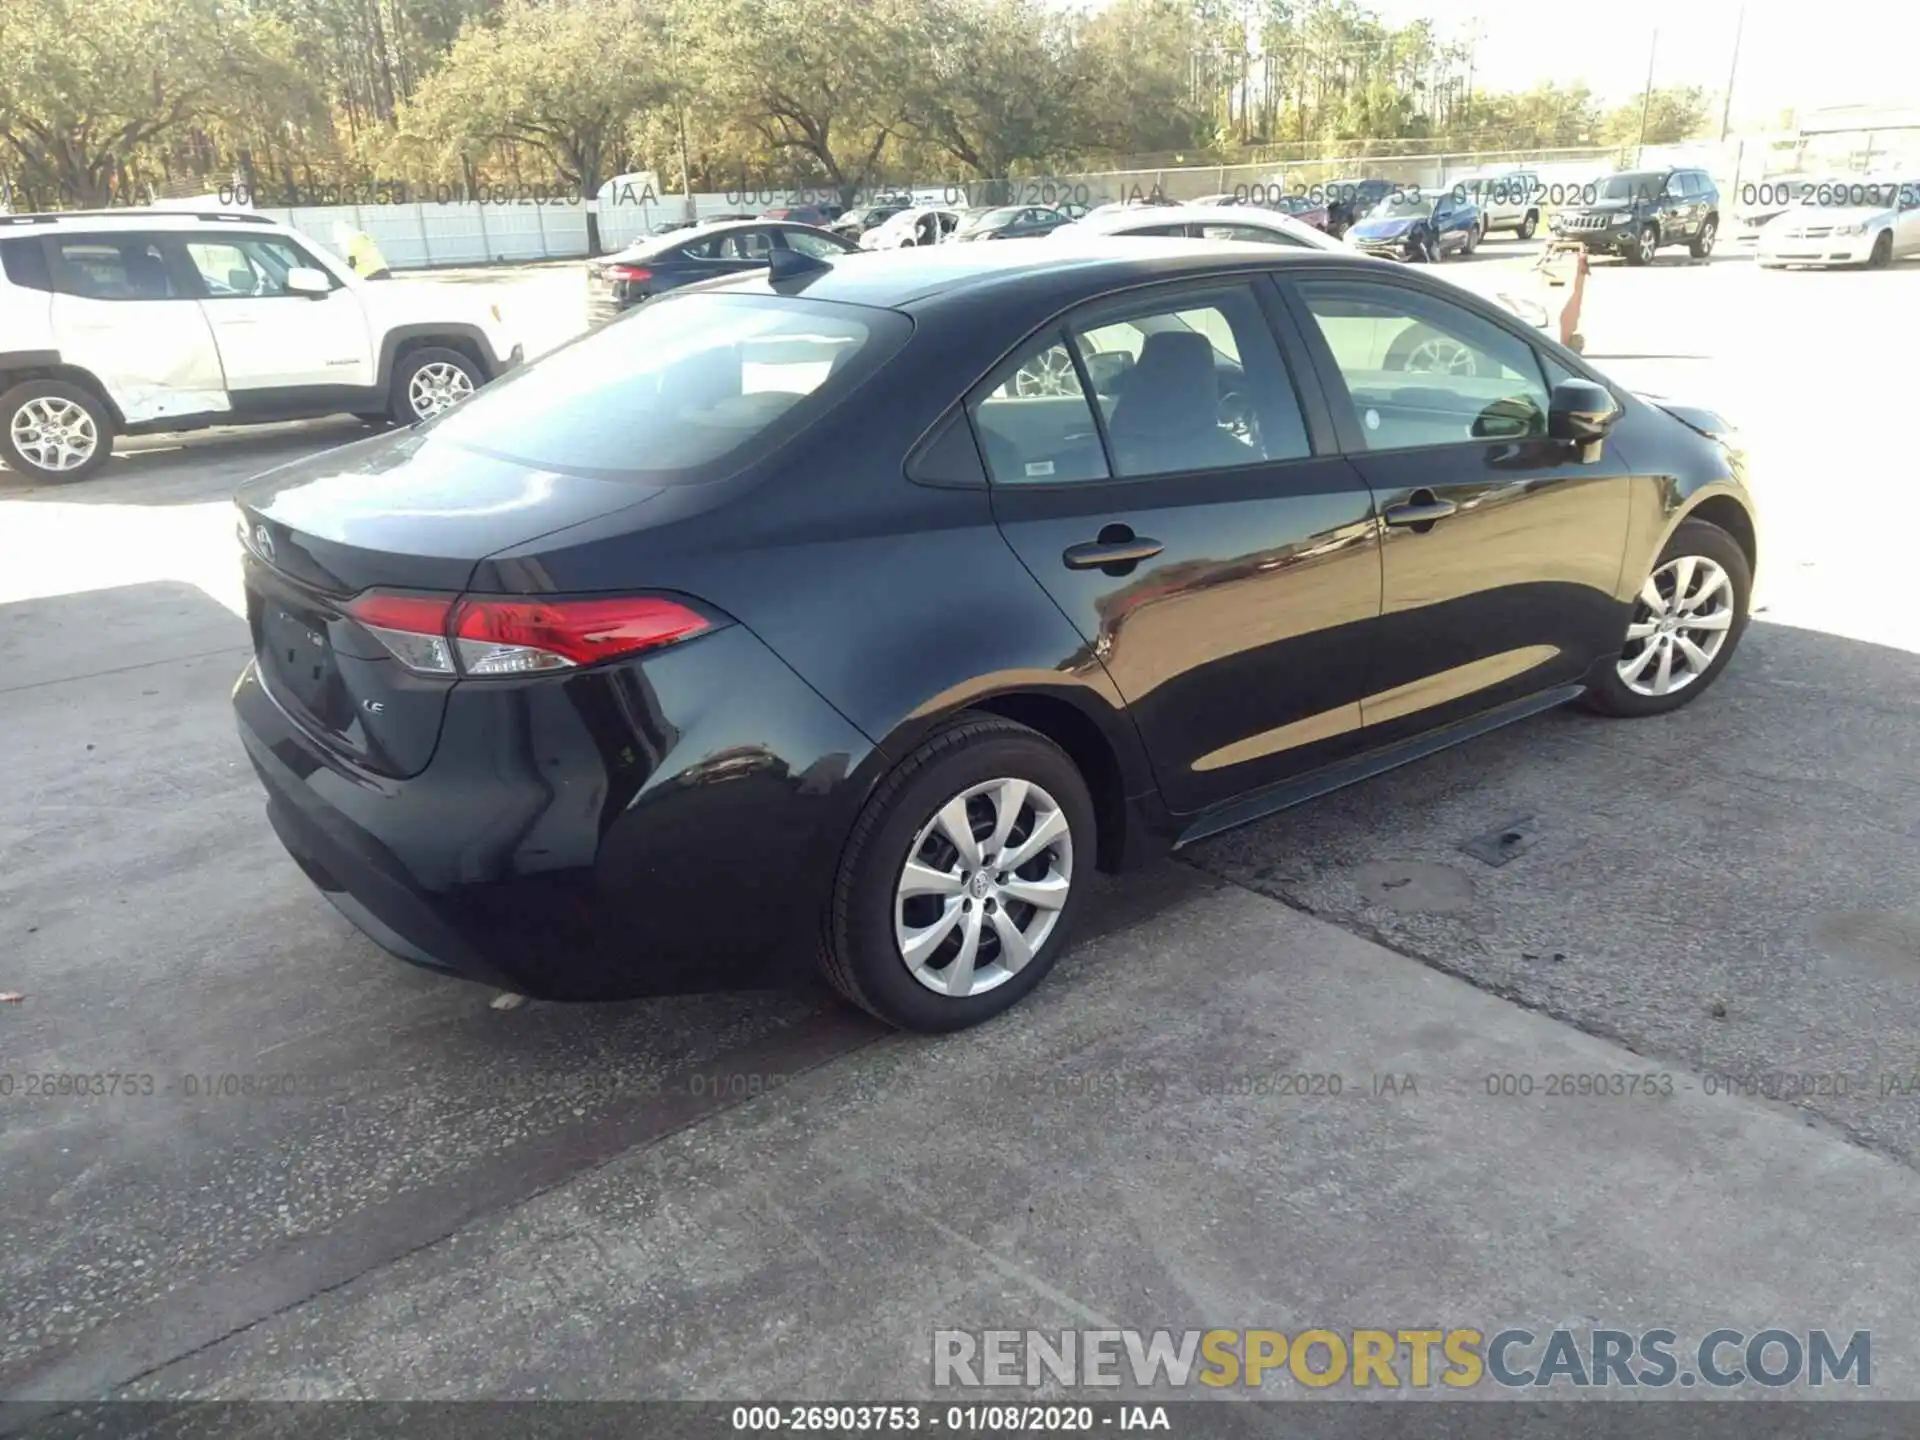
{"x":435,"y":635}
{"x":510,"y":637}
{"x":630,"y":272}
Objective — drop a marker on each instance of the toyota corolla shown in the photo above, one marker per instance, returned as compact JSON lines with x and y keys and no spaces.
{"x":850,"y":613}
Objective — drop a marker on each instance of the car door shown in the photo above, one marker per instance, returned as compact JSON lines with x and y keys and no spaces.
{"x":121,"y":311}
{"x":1194,"y":524}
{"x":272,"y":340}
{"x":1501,"y":548}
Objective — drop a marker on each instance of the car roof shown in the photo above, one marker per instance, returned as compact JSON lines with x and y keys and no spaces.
{"x":898,"y":279}
{"x":136,"y":219}
{"x":1118,"y":222}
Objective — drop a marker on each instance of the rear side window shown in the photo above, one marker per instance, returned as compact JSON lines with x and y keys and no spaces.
{"x":684,"y":389}
{"x":25,"y":264}
{"x":1253,"y":235}
{"x":112,"y":267}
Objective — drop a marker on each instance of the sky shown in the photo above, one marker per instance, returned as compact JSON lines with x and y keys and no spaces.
{"x":1793,"y":54}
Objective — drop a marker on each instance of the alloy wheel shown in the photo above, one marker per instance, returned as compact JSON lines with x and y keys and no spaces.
{"x":983,"y":887}
{"x":1049,"y":373}
{"x":435,"y":386}
{"x":1706,"y":240}
{"x":1680,"y":624}
{"x":1441,"y":355}
{"x":1649,"y":242}
{"x":53,"y":433}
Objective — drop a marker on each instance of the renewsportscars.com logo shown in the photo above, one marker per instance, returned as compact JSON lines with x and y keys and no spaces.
{"x":1397,"y":1359}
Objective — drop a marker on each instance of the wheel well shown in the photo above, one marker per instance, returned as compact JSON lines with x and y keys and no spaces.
{"x":462,"y":343}
{"x":1074,"y":732}
{"x":66,"y":374}
{"x":1725,"y":513}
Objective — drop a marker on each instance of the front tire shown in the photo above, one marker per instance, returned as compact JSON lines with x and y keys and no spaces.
{"x":429,"y":381}
{"x":1529,"y":225}
{"x":1641,"y":250}
{"x":962,"y":878}
{"x":1687,"y":621}
{"x":1882,"y":253}
{"x":53,"y":431}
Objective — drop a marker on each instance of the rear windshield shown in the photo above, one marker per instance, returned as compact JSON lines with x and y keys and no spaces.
{"x":685,"y":388}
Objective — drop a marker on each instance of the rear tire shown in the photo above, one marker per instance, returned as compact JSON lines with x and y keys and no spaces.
{"x":1702,"y":245}
{"x":54,"y":432}
{"x":985,"y":766}
{"x":1702,"y":606}
{"x":430,"y":381}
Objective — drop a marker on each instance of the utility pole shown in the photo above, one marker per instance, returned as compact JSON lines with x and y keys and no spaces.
{"x":1733,"y":68}
{"x":1646,"y":100}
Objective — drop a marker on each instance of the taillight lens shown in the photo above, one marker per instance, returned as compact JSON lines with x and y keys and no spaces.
{"x":434,"y":635}
{"x":631,"y":272}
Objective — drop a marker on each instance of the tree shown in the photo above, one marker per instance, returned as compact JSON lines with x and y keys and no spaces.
{"x":83,"y":87}
{"x":1673,"y":113}
{"x":991,"y":95}
{"x":565,"y":80}
{"x":826,"y":84}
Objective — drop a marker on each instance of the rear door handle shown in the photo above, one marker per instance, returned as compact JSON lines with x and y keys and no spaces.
{"x":1110,"y":550}
{"x":1423,"y":508}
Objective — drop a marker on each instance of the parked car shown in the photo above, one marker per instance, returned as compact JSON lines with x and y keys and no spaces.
{"x":129,"y":322}
{"x":658,"y":264}
{"x":818,"y":216}
{"x":1637,"y":212}
{"x":1204,"y":222}
{"x":1411,"y":226}
{"x":1847,"y":220}
{"x":861,"y":219}
{"x":1010,"y":222}
{"x":1304,"y":208}
{"x":719,"y":219}
{"x":1760,"y":201}
{"x":784,"y":623}
{"x":1507,"y":200}
{"x":921,"y":225}
{"x":1348,"y":200}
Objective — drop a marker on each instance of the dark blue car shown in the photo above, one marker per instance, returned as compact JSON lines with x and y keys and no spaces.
{"x":1412,"y":226}
{"x":704,"y":252}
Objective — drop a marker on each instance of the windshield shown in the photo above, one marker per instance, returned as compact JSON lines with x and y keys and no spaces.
{"x":1641,"y":186}
{"x":685,"y":388}
{"x":1402,"y":207}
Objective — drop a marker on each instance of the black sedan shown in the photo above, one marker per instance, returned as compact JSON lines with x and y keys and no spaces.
{"x":1011,"y":222}
{"x":661,"y":263}
{"x":847,"y":614}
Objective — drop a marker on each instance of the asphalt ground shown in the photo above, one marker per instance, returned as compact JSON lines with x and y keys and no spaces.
{"x":759,"y":1195}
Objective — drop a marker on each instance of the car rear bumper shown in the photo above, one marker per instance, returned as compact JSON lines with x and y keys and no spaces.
{"x":665,"y":825}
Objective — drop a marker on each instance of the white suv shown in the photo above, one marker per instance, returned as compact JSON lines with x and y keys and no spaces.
{"x":126,"y":322}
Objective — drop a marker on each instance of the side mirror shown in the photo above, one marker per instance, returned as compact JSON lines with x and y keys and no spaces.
{"x":314,"y":284}
{"x":1581,"y":411}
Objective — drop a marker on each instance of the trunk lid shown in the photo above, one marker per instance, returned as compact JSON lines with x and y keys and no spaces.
{"x":405,"y":512}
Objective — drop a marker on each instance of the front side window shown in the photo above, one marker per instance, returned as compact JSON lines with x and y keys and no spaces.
{"x":112,"y":267}
{"x":686,"y":388}
{"x":233,"y":268}
{"x":1419,"y":370}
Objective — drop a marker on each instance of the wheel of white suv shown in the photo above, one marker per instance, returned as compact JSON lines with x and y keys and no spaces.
{"x":54,"y":431}
{"x":430,"y":380}
{"x":1687,"y":619}
{"x":961,"y":879}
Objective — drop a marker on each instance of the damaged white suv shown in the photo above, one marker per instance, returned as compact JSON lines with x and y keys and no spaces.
{"x":127,"y":322}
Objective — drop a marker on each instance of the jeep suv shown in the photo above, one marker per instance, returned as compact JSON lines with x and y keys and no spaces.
{"x":127,"y":322}
{"x":1636,"y":212}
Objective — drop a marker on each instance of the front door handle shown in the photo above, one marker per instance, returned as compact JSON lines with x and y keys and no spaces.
{"x":1117,"y":547}
{"x":1420,"y":511}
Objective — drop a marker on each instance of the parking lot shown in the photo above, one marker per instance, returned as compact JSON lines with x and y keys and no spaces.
{"x":424,"y":1196}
